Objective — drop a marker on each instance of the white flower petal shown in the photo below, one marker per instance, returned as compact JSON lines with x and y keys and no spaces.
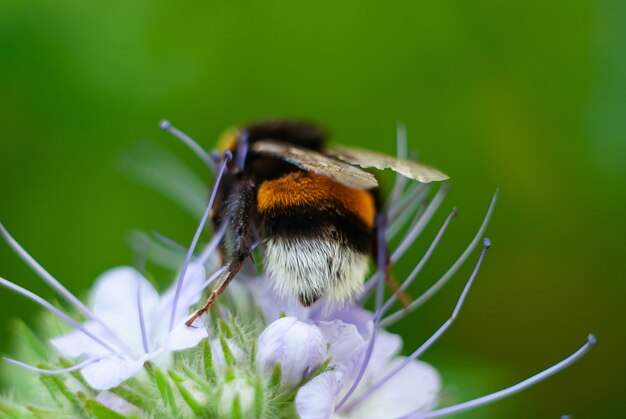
{"x":110,"y":372}
{"x":115,"y":303}
{"x":386,"y":347}
{"x":189,"y":295}
{"x":316,"y":399}
{"x":300,"y":349}
{"x":192,"y":288}
{"x":413,"y":388}
{"x":184,"y":337}
{"x":76,"y":343}
{"x":357,"y":316}
{"x":345,"y":345}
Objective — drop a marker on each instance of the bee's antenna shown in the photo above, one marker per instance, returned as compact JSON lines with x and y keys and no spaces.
{"x":242,"y":150}
{"x":167,"y":126}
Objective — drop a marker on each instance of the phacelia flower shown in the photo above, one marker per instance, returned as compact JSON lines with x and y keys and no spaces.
{"x":128,"y":322}
{"x":255,"y":354}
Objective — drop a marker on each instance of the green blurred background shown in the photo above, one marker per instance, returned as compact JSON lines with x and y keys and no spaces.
{"x":526,"y":96}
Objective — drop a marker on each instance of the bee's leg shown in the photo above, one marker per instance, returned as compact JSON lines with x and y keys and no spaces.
{"x":240,"y":215}
{"x":402,"y":296}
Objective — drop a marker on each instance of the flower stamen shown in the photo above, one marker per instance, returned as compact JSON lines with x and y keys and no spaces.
{"x":142,"y":322}
{"x":167,"y":126}
{"x":516,"y":388}
{"x":37,"y":299}
{"x":55,"y":284}
{"x":420,"y":264}
{"x":426,"y":345}
{"x":54,"y":372}
{"x":401,"y":151}
{"x":381,"y":278}
{"x":415,"y":231}
{"x":400,"y":314}
{"x":411,"y":206}
{"x":213,"y":243}
{"x":196,"y":237}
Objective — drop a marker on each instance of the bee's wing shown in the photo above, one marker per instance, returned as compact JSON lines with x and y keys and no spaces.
{"x":369,"y":159}
{"x":316,"y":162}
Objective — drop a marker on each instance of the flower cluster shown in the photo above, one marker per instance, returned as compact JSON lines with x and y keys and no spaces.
{"x":256,"y":354}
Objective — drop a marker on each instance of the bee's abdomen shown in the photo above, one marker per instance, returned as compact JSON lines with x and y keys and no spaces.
{"x":318,"y":236}
{"x":308,"y":190}
{"x":306,"y":205}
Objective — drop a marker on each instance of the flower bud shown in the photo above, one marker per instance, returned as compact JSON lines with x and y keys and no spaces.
{"x":300,"y":348}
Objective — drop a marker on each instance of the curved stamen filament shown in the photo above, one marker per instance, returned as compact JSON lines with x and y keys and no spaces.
{"x":53,"y":372}
{"x":392,"y":318}
{"x":401,"y":150}
{"x":213,"y":243}
{"x":37,"y":299}
{"x":196,"y":237}
{"x":142,"y":322}
{"x":56,"y":285}
{"x":381,"y":277}
{"x":187,"y":140}
{"x":420,"y":264}
{"x":413,"y":207}
{"x":414,"y":232}
{"x":523,"y":385}
{"x":426,"y":345}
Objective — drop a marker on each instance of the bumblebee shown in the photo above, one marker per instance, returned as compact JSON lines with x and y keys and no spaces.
{"x":309,"y":205}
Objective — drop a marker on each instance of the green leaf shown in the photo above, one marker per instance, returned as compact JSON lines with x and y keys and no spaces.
{"x":38,"y":413}
{"x":47,"y":382}
{"x":97,"y":410}
{"x":276,"y":376}
{"x":229,"y":374}
{"x":207,"y":357}
{"x":259,"y":398}
{"x":10,"y":411}
{"x":134,"y":396}
{"x":238,"y":332}
{"x":30,"y":339}
{"x":66,"y":363}
{"x":236,"y":409}
{"x":58,"y":383}
{"x":253,"y":353}
{"x":191,"y":401}
{"x":228,"y":354}
{"x":163,"y":386}
{"x":225,"y":329}
{"x":322,"y":368}
{"x":193,"y":376}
